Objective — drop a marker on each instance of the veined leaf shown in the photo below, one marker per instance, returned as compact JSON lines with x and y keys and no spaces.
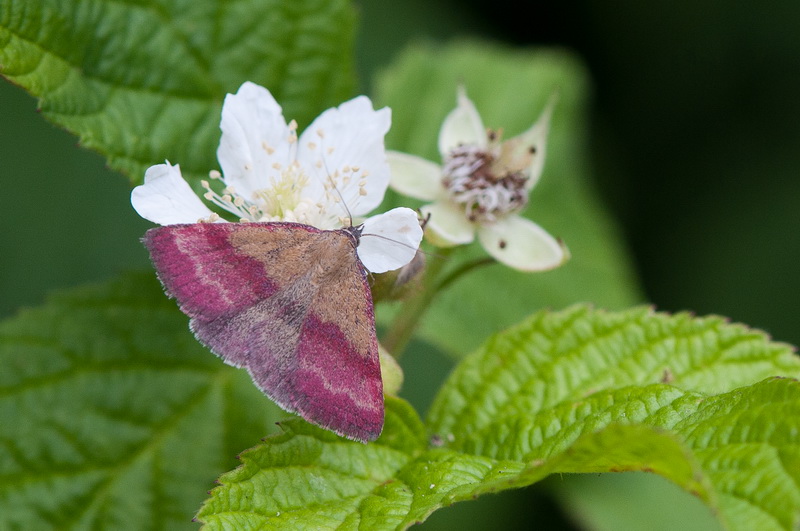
{"x":309,"y":479}
{"x":112,"y":415}
{"x":143,"y":82}
{"x":556,"y":358}
{"x":494,"y":427}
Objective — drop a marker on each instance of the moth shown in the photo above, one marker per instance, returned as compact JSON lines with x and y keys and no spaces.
{"x":288,"y":302}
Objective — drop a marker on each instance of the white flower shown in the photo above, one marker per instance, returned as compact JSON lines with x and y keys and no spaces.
{"x":480,"y":189}
{"x":335,"y":171}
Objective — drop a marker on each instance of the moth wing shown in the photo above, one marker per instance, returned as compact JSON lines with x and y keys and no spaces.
{"x":208,"y":276}
{"x":338,"y":368}
{"x":289,"y":303}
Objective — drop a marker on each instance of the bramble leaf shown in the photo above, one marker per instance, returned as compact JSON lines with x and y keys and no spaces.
{"x":112,"y":415}
{"x":143,"y":82}
{"x":526,"y":406}
{"x":559,"y":357}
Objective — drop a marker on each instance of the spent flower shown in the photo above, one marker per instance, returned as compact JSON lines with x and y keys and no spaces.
{"x":481,"y":187}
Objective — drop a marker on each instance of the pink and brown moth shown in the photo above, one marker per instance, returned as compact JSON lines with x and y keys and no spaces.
{"x":290,"y":303}
{"x":276,"y":293}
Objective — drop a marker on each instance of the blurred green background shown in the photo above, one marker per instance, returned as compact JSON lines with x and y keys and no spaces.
{"x":695,"y":123}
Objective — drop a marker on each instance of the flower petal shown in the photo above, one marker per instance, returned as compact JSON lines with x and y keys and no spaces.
{"x":522,"y":244}
{"x":526,"y":152}
{"x":166,"y":198}
{"x":347,"y":140}
{"x":447,"y":225}
{"x":389,"y":240}
{"x":254,"y":137}
{"x":462,"y":126}
{"x":414,"y":176}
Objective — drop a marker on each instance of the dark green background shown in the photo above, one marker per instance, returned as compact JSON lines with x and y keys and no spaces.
{"x":695,"y":136}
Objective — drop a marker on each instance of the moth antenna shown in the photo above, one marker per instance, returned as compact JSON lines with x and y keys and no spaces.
{"x":417,"y":249}
{"x":423,"y":222}
{"x":330,"y":180}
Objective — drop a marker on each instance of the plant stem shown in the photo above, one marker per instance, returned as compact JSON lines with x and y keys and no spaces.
{"x":462,"y":269}
{"x":411,"y":312}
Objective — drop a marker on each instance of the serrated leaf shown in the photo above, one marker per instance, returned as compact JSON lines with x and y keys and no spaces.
{"x":527,"y":405}
{"x":536,"y":391}
{"x":510,"y":89}
{"x":555,"y":358}
{"x":112,"y":415}
{"x":310,"y":479}
{"x":143,"y":82}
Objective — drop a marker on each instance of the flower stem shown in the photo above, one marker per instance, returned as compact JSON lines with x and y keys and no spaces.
{"x":411,"y":312}
{"x":462,"y":269}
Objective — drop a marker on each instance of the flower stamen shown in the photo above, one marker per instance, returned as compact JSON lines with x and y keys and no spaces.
{"x":229,"y":200}
{"x":473,"y":181}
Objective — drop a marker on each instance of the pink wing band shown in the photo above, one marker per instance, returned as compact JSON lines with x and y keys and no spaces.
{"x":347,"y":392}
{"x":191,"y":260}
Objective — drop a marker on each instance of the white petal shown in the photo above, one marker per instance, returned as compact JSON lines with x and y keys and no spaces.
{"x":516,"y":152}
{"x":166,"y":198}
{"x":254,"y":138}
{"x":522,"y":244}
{"x":347,"y":137}
{"x":414,"y":176}
{"x":462,"y":126}
{"x":390,"y":240}
{"x":447,"y":225}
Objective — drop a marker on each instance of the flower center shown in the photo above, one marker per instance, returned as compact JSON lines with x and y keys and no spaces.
{"x":485,"y":190}
{"x":280,"y":202}
{"x":283,"y":202}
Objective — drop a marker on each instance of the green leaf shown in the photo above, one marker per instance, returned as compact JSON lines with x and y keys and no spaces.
{"x":510,"y":89}
{"x":143,"y":82}
{"x":526,"y":406}
{"x":631,"y":502}
{"x":309,"y":478}
{"x":112,"y":415}
{"x":541,"y":391}
{"x":561,"y":357}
